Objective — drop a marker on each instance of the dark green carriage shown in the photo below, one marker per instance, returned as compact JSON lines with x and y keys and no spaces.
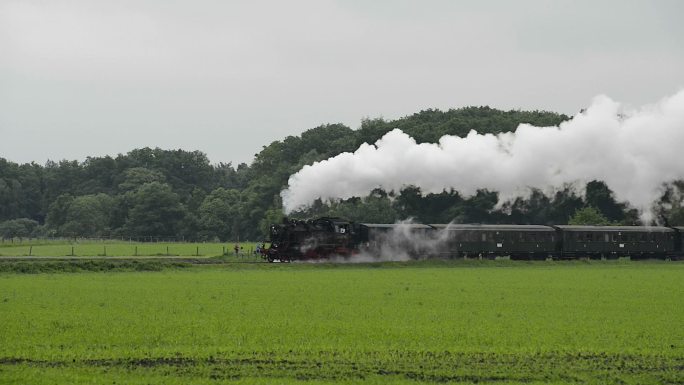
{"x":617,"y":241}
{"x":679,"y":242}
{"x":414,"y":239}
{"x":515,"y":241}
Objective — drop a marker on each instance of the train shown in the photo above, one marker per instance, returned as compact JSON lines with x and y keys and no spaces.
{"x":330,"y":237}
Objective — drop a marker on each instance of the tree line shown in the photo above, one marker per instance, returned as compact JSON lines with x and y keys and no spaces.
{"x":175,"y":193}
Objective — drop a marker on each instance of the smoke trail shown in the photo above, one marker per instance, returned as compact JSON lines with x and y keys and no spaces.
{"x":633,"y":151}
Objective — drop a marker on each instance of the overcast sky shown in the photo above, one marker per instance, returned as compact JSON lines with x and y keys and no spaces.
{"x":90,"y":78}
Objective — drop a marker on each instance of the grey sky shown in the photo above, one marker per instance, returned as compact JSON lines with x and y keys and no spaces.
{"x":80,"y":78}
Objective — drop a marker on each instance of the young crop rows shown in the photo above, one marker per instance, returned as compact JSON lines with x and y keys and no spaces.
{"x":455,"y":322}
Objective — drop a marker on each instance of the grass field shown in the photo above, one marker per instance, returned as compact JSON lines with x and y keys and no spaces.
{"x":122,"y":248}
{"x":495,"y":322}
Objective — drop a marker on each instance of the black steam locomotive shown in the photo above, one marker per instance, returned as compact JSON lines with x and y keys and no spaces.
{"x":328,"y":237}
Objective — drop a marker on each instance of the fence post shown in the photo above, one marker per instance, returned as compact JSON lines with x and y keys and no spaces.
{"x":167,"y":251}
{"x":72,"y":251}
{"x":136,"y":251}
{"x":105,"y":251}
{"x":197,"y":253}
{"x":30,"y":250}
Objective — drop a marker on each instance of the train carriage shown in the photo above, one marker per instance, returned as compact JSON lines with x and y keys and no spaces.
{"x":414,"y":239}
{"x":616,"y":241}
{"x":516,"y":241}
{"x":679,"y":242}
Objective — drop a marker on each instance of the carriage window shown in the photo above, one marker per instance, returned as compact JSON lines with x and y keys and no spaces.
{"x":588,"y":237}
{"x":613,"y":237}
{"x":484,"y":237}
{"x":607,"y":238}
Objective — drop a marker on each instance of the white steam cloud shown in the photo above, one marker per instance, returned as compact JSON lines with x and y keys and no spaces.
{"x":634,"y":151}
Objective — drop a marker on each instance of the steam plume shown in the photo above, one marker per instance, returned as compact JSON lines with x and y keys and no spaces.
{"x":634,"y":151}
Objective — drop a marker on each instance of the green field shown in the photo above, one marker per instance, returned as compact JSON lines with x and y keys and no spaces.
{"x":121,"y":248}
{"x":495,"y":322}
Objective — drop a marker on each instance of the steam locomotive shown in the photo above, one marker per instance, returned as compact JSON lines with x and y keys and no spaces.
{"x":335,"y":237}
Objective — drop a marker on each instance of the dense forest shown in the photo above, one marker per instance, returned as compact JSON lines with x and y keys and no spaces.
{"x":154,"y":193}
